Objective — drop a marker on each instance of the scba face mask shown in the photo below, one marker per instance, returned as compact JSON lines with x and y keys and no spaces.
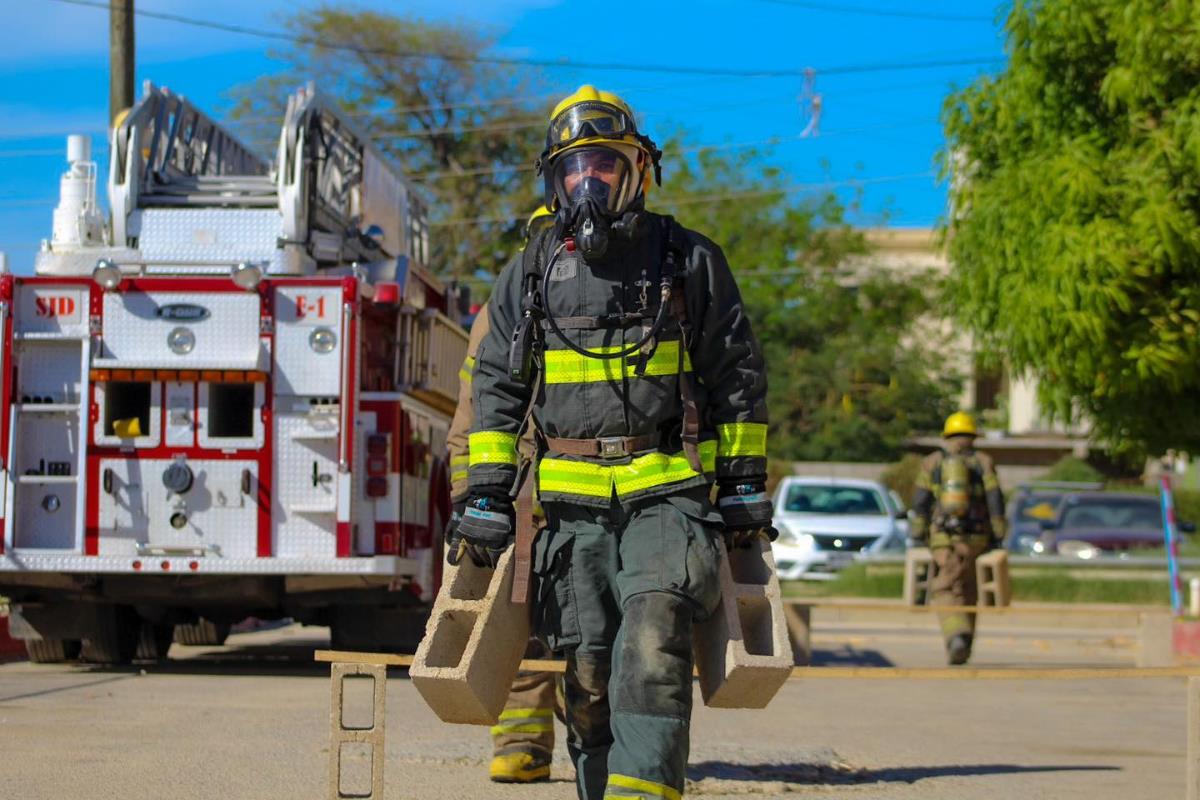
{"x":595,"y":186}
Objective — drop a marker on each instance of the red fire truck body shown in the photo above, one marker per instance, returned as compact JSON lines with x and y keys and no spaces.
{"x":232,"y":400}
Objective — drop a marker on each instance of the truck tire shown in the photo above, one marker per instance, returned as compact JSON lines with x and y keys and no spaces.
{"x":154,"y":640}
{"x":115,"y":638}
{"x":202,"y":633}
{"x":52,"y":651}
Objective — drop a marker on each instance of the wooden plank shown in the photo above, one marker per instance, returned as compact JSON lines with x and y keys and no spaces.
{"x":854,"y":673}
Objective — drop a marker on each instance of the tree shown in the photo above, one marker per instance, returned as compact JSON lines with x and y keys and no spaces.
{"x":848,"y":379}
{"x":454,"y":124}
{"x":1076,"y":188}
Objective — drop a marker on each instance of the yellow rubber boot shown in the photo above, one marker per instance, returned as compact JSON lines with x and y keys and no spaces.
{"x":520,"y":768}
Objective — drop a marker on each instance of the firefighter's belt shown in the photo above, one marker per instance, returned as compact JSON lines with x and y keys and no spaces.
{"x":606,"y":447}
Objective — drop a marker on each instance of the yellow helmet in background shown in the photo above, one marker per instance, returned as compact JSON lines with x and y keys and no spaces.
{"x":593,"y":118}
{"x":540,"y":216}
{"x":960,"y":423}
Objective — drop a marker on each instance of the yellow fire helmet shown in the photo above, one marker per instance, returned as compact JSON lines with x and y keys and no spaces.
{"x":960,"y":423}
{"x":592,"y":120}
{"x":540,"y":216}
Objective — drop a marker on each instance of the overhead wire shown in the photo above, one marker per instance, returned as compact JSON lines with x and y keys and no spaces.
{"x":719,"y":196}
{"x":875,"y":11}
{"x":547,"y":63}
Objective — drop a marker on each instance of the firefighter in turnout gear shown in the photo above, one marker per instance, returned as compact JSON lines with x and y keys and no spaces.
{"x":523,"y":738}
{"x":624,"y":338}
{"x":959,"y":514}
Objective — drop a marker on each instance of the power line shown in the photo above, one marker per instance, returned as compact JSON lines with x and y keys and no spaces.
{"x":775,"y":140}
{"x":870,"y":11}
{"x":538,"y":62}
{"x":720,"y":196}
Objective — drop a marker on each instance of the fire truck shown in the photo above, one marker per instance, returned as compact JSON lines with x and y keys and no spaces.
{"x":227,"y":398}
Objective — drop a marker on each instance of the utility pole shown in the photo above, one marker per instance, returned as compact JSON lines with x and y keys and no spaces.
{"x":120,"y":59}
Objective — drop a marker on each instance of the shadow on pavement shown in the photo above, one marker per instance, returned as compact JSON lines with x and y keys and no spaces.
{"x":850,"y":656}
{"x":838,"y":773}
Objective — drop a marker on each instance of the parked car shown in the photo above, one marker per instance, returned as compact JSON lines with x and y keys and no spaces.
{"x":1031,"y":505}
{"x":824,"y":523}
{"x":1093,"y":524}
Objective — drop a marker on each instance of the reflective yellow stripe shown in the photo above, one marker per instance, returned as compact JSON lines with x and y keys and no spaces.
{"x":742,"y":439}
{"x":522,"y":727}
{"x":467,"y":369}
{"x":526,"y":713}
{"x":638,"y":785}
{"x":574,"y":477}
{"x":598,"y":480}
{"x":567,"y":366}
{"x":458,"y":467}
{"x":490,"y":447}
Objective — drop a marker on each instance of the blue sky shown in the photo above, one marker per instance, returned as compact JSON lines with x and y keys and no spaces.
{"x":874,"y":125}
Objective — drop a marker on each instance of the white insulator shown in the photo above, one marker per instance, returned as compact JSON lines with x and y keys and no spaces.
{"x":3,"y":263}
{"x":79,"y":148}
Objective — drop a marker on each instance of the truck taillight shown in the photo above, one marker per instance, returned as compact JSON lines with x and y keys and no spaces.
{"x":377,"y":458}
{"x":377,"y":486}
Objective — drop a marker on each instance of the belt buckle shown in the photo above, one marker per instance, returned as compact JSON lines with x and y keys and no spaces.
{"x":612,"y":447}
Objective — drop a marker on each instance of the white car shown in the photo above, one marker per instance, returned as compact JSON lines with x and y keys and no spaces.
{"x":824,"y":523}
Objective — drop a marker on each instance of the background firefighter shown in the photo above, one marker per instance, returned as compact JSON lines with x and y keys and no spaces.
{"x":523,"y":738}
{"x":624,"y":336}
{"x":959,"y":512}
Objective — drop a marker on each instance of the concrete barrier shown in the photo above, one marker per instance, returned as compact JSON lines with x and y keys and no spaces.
{"x":473,"y":644}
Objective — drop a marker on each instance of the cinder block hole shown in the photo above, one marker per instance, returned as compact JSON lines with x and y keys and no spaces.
{"x":450,"y":637}
{"x":748,"y":565}
{"x":354,"y":769}
{"x":470,"y":582}
{"x":757,"y":631}
{"x":358,"y":702}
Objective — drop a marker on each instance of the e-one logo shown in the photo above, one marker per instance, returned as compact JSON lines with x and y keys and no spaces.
{"x":53,"y":306}
{"x":183,"y":312}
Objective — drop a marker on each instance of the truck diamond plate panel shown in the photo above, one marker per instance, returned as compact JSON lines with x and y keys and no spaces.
{"x":136,"y":330}
{"x":211,"y":235}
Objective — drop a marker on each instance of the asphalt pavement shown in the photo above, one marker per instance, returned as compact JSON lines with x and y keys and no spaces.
{"x":251,"y":720}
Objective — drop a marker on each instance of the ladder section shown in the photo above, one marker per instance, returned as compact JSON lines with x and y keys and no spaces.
{"x":162,"y":152}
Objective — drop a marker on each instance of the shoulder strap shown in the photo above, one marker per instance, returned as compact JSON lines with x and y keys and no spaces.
{"x":674,"y":267}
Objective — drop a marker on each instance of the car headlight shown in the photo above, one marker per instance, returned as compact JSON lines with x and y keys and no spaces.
{"x":793,"y":538}
{"x":1038,"y":547}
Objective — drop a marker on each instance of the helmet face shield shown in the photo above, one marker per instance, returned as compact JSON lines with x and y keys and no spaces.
{"x":588,"y":119}
{"x":604,"y":174}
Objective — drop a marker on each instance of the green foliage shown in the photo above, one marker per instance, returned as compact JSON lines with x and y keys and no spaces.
{"x":849,"y":379}
{"x":1070,"y":468}
{"x":1076,"y":179}
{"x":901,"y":477}
{"x":1030,"y":585}
{"x":436,"y":116}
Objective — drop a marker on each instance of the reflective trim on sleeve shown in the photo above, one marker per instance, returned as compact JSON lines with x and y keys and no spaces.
{"x":567,"y":366}
{"x":646,"y":788}
{"x":466,"y":370}
{"x":491,"y":447}
{"x":742,"y":439}
{"x":458,"y":467}
{"x":589,"y":479}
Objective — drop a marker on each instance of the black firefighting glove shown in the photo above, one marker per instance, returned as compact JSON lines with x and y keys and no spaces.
{"x":450,"y":534}
{"x":746,"y":510}
{"x":486,"y":530}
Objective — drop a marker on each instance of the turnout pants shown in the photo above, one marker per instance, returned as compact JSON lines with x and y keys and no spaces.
{"x":953,"y":581}
{"x":527,"y":722}
{"x":617,"y":591}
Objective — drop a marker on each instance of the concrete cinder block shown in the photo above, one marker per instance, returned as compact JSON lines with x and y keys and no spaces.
{"x":473,"y":644}
{"x":799,"y":624}
{"x":991,"y":575}
{"x":918,"y":572}
{"x":742,"y":651}
{"x":370,"y":737}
